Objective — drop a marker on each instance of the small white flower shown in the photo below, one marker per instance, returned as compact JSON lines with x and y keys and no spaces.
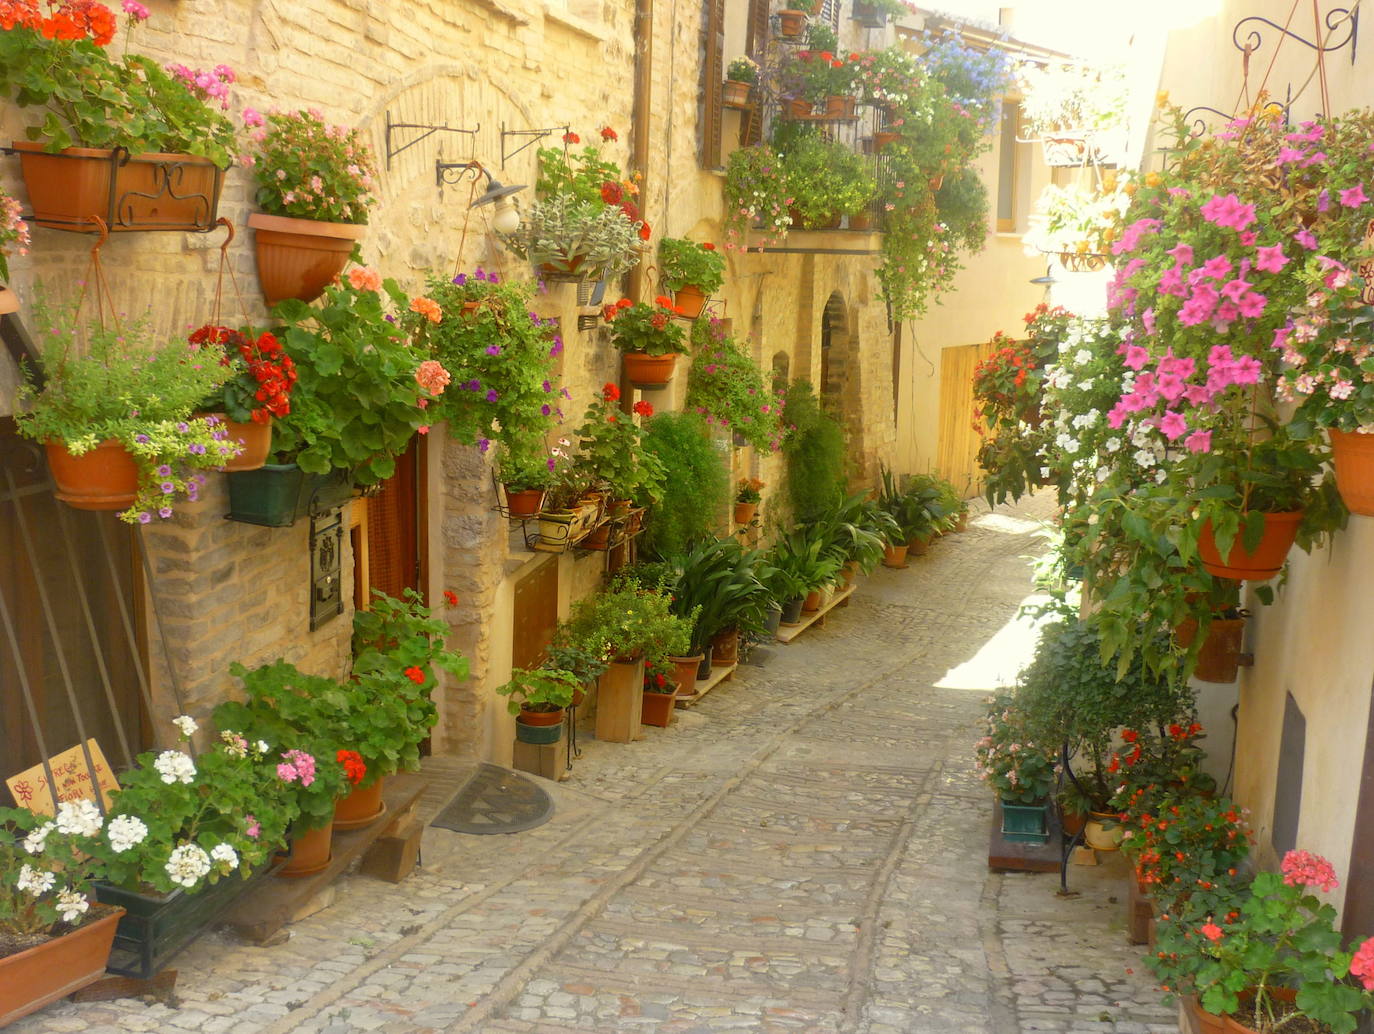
{"x":1087,"y":385}
{"x":187,"y":864}
{"x":1144,"y":457}
{"x":1082,"y":357}
{"x":186,"y":725}
{"x":226,"y":854}
{"x":71,"y":905}
{"x":175,"y":767}
{"x":1103,"y":473}
{"x":124,"y":832}
{"x":38,"y":838}
{"x":35,"y":881}
{"x":79,"y":818}
{"x":1160,"y":476}
{"x":261,"y":747}
{"x":1112,"y":444}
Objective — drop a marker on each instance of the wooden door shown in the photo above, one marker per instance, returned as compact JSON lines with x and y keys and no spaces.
{"x":957,"y":458}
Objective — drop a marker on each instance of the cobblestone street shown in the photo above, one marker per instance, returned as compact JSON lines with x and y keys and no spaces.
{"x":803,"y":851}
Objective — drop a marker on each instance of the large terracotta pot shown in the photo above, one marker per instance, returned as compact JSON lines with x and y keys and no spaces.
{"x":649,"y":371}
{"x":895,"y":556}
{"x":744,"y":512}
{"x":658,"y":709}
{"x":725,"y":648}
{"x":689,"y":299}
{"x":840,"y":106}
{"x":311,"y":850}
{"x":1353,"y":457}
{"x":1236,"y":1025}
{"x":1264,"y":562}
{"x":736,"y":93}
{"x":685,"y":674}
{"x":360,"y":807}
{"x":1205,"y":1022}
{"x":791,"y":23}
{"x":151,"y":191}
{"x":257,"y":443}
{"x":104,"y":478}
{"x":918,"y":545}
{"x":299,"y":258}
{"x":54,"y":969}
{"x":1219,"y":657}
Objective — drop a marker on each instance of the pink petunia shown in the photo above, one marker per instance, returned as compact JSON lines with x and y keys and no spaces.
{"x":1172,"y":425}
{"x":1271,"y":259}
{"x":1228,"y":211}
{"x":1354,"y":197}
{"x":1199,"y":441}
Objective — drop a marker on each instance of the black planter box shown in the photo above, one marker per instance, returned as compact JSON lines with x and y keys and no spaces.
{"x":277,"y":494}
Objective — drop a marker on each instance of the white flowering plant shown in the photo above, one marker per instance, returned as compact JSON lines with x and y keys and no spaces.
{"x":182,"y":822}
{"x":47,"y":866}
{"x":1019,"y":771}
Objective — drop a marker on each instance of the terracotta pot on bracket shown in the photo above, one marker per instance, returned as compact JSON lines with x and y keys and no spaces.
{"x":299,"y":258}
{"x":791,"y":23}
{"x":649,"y":371}
{"x":735,"y":93}
{"x":1352,"y":455}
{"x":840,"y":106}
{"x":1261,"y":564}
{"x":883,"y":138}
{"x":1218,"y":659}
{"x":523,"y":502}
{"x":744,"y":512}
{"x":103,"y":478}
{"x":689,"y":299}
{"x":256,"y":439}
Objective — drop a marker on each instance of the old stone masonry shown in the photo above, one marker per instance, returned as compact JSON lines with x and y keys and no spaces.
{"x":804,"y":851}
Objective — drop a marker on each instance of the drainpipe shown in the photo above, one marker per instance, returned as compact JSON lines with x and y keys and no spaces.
{"x":640,"y":118}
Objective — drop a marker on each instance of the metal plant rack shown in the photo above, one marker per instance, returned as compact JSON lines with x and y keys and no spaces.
{"x":1335,"y":18}
{"x":1074,"y":842}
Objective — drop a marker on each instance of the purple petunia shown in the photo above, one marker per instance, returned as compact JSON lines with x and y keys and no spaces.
{"x":145,"y":517}
{"x":483,"y":444}
{"x":167,"y":488}
{"x":493,"y":349}
{"x":165,"y":512}
{"x":196,"y":449}
{"x":492,"y":395}
{"x":164,"y":471}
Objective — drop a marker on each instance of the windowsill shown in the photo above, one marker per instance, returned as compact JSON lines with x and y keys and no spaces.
{"x":575,"y":23}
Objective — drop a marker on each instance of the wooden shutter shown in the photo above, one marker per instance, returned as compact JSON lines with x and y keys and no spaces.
{"x":713,"y":74}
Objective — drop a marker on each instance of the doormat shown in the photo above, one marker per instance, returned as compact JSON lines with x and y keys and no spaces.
{"x":496,"y":800}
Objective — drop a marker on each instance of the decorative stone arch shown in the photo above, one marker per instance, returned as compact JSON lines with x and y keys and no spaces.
{"x":841,"y":377}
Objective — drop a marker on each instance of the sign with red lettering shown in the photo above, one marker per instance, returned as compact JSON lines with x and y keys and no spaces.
{"x":72,"y":777}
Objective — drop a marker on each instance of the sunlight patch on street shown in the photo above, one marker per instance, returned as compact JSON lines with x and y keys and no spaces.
{"x":1000,"y":659}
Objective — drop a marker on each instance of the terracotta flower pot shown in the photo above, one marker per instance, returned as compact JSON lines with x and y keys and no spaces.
{"x":658,"y":709}
{"x":685,"y":674}
{"x":796,"y":108}
{"x":744,"y":512}
{"x":791,"y":23}
{"x":1218,"y":659}
{"x":812,"y":602}
{"x":1205,"y":1022}
{"x":895,"y":556}
{"x":54,"y":969}
{"x":9,"y":301}
{"x":884,"y":138}
{"x":918,"y":545}
{"x":861,"y":222}
{"x":1240,"y":564}
{"x":649,"y":371}
{"x":541,"y":717}
{"x":152,"y":191}
{"x":600,"y":537}
{"x":360,"y":807}
{"x":1239,"y":1023}
{"x":104,"y":478}
{"x":690,"y":299}
{"x":1353,"y":457}
{"x":840,"y":106}
{"x":735,"y":93}
{"x":523,"y":502}
{"x":257,"y":443}
{"x":725,"y":648}
{"x":1071,"y":821}
{"x":299,"y":258}
{"x":311,"y":850}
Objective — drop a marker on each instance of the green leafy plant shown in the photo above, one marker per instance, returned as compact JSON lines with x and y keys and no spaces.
{"x":815,"y":455}
{"x":568,"y":652}
{"x":825,"y":179}
{"x":114,"y":382}
{"x":1008,"y":759}
{"x":726,"y":386}
{"x":581,"y":174}
{"x":362,"y":386}
{"x":802,"y":555}
{"x":650,"y":329}
{"x":612,"y":451}
{"x":694,"y":483}
{"x":562,"y":235}
{"x":624,"y":624}
{"x":541,"y":690}
{"x":1067,"y":97}
{"x":748,"y":490}
{"x":855,"y":531}
{"x":756,"y":191}
{"x":682,"y":262}
{"x":742,"y":70}
{"x":718,"y":589}
{"x":308,"y":169}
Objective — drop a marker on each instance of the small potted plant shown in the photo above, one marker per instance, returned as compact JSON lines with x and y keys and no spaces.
{"x":259,"y":388}
{"x":1019,"y":772}
{"x":647,"y":338}
{"x":756,"y":195}
{"x":826,"y":181}
{"x":661,"y":687}
{"x":314,"y":188}
{"x":14,"y":238}
{"x":526,"y":470}
{"x":692,"y":271}
{"x":115,"y":417}
{"x":539,"y":698}
{"x":611,"y":450}
{"x":51,"y":940}
{"x":747,"y":497}
{"x":740,"y":76}
{"x":719,"y":590}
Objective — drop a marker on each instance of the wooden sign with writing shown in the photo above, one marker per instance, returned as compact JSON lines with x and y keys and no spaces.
{"x":73,"y":777}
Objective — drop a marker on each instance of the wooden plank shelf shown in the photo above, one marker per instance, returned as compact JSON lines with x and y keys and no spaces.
{"x":786,"y":633}
{"x":718,"y":675}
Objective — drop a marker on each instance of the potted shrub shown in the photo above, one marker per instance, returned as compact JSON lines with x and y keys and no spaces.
{"x":695,"y":481}
{"x":647,"y":338}
{"x":1019,"y":771}
{"x":783,"y":577}
{"x":95,"y":106}
{"x":52,"y":941}
{"x":802,"y":553}
{"x":585,"y":661}
{"x":726,"y":386}
{"x":718,"y":588}
{"x":815,"y":455}
{"x":692,"y":271}
{"x":661,"y":691}
{"x":748,"y":494}
{"x":740,"y":76}
{"x":538,"y":699}
{"x":314,"y":188}
{"x":14,"y":238}
{"x":362,"y":392}
{"x":756,"y":196}
{"x":115,"y":416}
{"x":612,"y":450}
{"x":259,"y":388}
{"x":826,"y":180}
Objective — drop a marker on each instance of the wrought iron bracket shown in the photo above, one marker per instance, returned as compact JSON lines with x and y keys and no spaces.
{"x":534,"y":135}
{"x":443,"y":171}
{"x":427,"y":131}
{"x":1335,"y":19}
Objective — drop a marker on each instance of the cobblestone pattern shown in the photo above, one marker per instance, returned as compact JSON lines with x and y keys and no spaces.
{"x":803,"y":852}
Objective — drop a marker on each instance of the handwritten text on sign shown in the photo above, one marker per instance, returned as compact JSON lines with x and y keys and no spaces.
{"x":72,"y":777}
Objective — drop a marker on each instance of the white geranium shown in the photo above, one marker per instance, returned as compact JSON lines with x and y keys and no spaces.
{"x":225,"y":854}
{"x":1112,"y":444}
{"x":261,"y":747}
{"x":79,"y":818}
{"x":187,"y":865}
{"x":1082,"y":357}
{"x":175,"y":767}
{"x":71,"y":905}
{"x":186,"y":725}
{"x":35,"y":881}
{"x":125,"y":832}
{"x":38,"y":838}
{"x":1144,"y":457}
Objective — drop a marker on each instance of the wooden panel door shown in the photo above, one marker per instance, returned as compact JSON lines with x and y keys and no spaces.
{"x":957,"y":458}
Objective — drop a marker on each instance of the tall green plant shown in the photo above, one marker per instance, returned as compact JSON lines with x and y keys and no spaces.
{"x":694,"y":487}
{"x":719,"y":584}
{"x":815,"y":454}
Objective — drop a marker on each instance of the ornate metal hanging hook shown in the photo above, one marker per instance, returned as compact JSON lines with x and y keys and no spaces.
{"x":1335,"y":19}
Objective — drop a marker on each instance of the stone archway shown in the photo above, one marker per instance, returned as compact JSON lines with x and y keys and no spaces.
{"x":841,"y":379}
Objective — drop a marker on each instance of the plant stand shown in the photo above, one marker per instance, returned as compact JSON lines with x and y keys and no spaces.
{"x":787,"y":633}
{"x":1140,"y":916}
{"x":718,"y":675}
{"x":549,"y":760}
{"x":620,"y":703}
{"x":1010,"y":856}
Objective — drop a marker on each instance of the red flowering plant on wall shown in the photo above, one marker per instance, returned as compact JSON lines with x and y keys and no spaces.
{"x":263,"y":374}
{"x":640,"y":327}
{"x":612,"y":450}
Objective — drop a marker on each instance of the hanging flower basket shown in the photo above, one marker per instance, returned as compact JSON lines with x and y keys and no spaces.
{"x":103,"y":478}
{"x":1218,"y":658}
{"x":256,"y":439}
{"x":1261,"y":564}
{"x":1353,"y":457}
{"x":299,"y":258}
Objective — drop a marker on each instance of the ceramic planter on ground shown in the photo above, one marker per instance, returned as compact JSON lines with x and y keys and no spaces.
{"x":725,"y":647}
{"x":1260,"y":564}
{"x":689,"y":300}
{"x":155,"y":927}
{"x":360,"y":807}
{"x":1025,"y":823}
{"x":657,"y":709}
{"x":744,"y":512}
{"x":299,"y":258}
{"x":128,"y":192}
{"x":736,"y":94}
{"x":311,"y":850}
{"x":276,"y":494}
{"x":649,"y":371}
{"x":54,"y":969}
{"x":895,"y":556}
{"x":103,"y":478}
{"x":1352,"y":455}
{"x":1103,"y":831}
{"x":685,"y":673}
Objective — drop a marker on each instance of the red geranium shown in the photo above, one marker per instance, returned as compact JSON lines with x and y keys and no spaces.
{"x":415,"y":675}
{"x":264,"y":375}
{"x":354,"y":766}
{"x":610,"y":392}
{"x":644,"y":408}
{"x":571,"y":138}
{"x":608,"y":134}
{"x":450,"y":597}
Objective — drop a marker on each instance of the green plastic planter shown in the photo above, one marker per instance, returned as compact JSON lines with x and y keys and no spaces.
{"x":276,"y":494}
{"x":1025,"y":823}
{"x":538,"y":733}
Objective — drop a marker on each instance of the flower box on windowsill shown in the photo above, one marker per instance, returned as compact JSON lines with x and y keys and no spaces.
{"x":276,"y":494}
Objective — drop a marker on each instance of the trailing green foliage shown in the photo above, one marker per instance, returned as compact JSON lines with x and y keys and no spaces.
{"x":815,"y":453}
{"x":694,"y":486}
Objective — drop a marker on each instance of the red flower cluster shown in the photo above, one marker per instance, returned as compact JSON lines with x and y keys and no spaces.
{"x":610,"y":392}
{"x":354,"y":766}
{"x":571,"y":138}
{"x":450,"y":597}
{"x":608,"y":134}
{"x":1304,"y":869}
{"x":610,"y":312}
{"x":415,"y":675}
{"x":71,"y":20}
{"x":644,"y":408}
{"x":268,"y":374}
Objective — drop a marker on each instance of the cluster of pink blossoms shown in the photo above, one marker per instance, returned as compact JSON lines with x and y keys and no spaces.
{"x":1362,"y":965}
{"x":1177,"y":384}
{"x":296,"y":764}
{"x":212,"y":85}
{"x":1305,"y":869}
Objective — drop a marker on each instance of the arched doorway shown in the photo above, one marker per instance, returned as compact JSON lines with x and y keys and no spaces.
{"x":841,"y":380}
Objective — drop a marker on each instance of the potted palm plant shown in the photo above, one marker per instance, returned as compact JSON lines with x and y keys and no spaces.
{"x":718,"y":581}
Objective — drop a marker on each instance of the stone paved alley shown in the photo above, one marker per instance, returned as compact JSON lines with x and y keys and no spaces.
{"x":804,"y":851}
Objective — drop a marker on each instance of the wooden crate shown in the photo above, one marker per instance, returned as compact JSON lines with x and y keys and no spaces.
{"x":620,"y":703}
